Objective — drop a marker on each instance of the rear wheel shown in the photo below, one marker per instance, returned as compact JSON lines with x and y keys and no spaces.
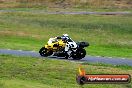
{"x":79,"y":54}
{"x":83,"y":53}
{"x":76,"y":56}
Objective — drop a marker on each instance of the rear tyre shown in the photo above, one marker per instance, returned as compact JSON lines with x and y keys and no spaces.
{"x":79,"y":54}
{"x":76,"y":56}
{"x":83,"y":53}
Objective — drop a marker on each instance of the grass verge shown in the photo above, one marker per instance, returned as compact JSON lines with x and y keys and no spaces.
{"x":28,"y":72}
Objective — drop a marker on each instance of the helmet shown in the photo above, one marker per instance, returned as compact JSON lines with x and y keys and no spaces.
{"x":65,"y":35}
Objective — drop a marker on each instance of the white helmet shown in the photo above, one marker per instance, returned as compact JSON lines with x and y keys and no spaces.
{"x":66,"y":35}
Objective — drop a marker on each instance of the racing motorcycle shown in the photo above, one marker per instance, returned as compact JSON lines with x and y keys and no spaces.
{"x":65,"y":47}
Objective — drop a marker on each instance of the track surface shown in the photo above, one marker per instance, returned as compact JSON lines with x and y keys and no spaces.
{"x":66,"y":12}
{"x":114,"y":61}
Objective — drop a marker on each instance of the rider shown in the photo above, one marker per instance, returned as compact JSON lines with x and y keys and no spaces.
{"x":65,"y":37}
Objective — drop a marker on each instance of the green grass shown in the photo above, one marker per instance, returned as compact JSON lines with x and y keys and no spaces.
{"x":27,"y":72}
{"x":107,"y":35}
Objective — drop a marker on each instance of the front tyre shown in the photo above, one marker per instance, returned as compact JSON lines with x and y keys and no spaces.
{"x":43,"y":52}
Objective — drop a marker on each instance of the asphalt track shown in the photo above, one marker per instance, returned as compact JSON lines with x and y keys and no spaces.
{"x":66,"y":12}
{"x":97,"y":59}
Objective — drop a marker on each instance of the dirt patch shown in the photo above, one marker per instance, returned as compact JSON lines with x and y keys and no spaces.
{"x":19,"y":33}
